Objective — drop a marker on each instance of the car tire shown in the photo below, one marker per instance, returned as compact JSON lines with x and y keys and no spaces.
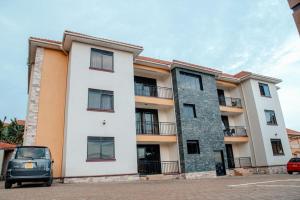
{"x":290,"y":172}
{"x":7,"y":185}
{"x":49,"y":182}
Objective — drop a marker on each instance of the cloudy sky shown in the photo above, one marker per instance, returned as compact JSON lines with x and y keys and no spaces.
{"x":230,"y":35}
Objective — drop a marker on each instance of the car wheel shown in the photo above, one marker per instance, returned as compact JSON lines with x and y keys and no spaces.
{"x":49,"y":182}
{"x":290,"y":172}
{"x":7,"y":185}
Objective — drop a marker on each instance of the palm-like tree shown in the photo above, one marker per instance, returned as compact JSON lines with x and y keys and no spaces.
{"x":11,"y":133}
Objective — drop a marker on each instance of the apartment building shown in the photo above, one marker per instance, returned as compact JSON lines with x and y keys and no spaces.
{"x":295,"y":5}
{"x":106,"y":111}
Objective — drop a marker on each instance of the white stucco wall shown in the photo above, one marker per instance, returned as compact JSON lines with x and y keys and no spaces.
{"x":81,"y":123}
{"x":261,"y":133}
{"x":168,"y":152}
{"x":241,"y":150}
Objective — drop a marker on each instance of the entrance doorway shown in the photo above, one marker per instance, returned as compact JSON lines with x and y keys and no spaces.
{"x":230,"y":156}
{"x":220,"y":165}
{"x":221,"y":96}
{"x":148,"y":159}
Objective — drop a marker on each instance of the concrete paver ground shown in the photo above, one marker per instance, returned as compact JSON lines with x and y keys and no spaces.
{"x":259,"y":187}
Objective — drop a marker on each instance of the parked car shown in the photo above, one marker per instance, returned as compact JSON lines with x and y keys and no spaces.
{"x":293,"y":165}
{"x":29,"y":164}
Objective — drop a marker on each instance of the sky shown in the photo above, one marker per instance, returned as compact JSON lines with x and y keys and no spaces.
{"x":229,"y":35}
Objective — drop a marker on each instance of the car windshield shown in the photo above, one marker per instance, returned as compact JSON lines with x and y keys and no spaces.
{"x":295,"y":160}
{"x":31,"y":153}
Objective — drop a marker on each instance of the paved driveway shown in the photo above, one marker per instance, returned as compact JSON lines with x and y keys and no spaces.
{"x":261,"y":187}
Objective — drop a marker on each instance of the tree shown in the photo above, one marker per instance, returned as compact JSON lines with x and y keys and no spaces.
{"x":11,"y":133}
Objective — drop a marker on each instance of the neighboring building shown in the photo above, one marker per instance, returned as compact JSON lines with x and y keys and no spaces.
{"x":295,"y":6}
{"x":294,"y":138}
{"x":104,"y":110}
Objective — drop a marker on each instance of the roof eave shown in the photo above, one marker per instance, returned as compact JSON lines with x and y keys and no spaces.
{"x":228,"y":79}
{"x":70,"y":37}
{"x":261,"y":78}
{"x":152,"y":64}
{"x":197,"y":68}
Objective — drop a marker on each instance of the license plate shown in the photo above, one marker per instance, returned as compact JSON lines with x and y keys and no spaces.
{"x":28,"y":165}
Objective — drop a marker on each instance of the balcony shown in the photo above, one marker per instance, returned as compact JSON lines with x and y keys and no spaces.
{"x":231,"y":105}
{"x":239,"y":162}
{"x":156,"y":131}
{"x":146,"y":167}
{"x":235,"y":134}
{"x":153,"y":95}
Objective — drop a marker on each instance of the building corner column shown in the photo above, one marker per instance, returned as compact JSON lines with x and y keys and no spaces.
{"x":33,"y":99}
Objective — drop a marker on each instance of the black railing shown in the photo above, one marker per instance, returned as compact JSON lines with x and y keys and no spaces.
{"x":152,"y":91}
{"x":240,"y":162}
{"x":231,"y":102}
{"x":235,"y":131}
{"x":155,"y":128}
{"x":158,"y":167}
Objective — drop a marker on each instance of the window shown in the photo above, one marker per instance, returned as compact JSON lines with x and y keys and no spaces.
{"x":101,"y":100}
{"x":101,"y":60}
{"x":100,"y":148}
{"x":193,"y":147}
{"x":264,"y":90}
{"x":189,"y":111}
{"x":277,"y":147}
{"x":32,"y":152}
{"x":191,"y":81}
{"x":270,"y":117}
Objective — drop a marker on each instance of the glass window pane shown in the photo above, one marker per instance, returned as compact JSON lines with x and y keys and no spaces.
{"x":94,"y":99}
{"x":264,"y":90}
{"x":100,"y":148}
{"x":189,"y":111}
{"x":107,"y":62}
{"x":267,"y":91}
{"x":141,"y":153}
{"x":270,"y":117}
{"x":93,"y":149}
{"x":193,"y":147}
{"x":190,"y":81}
{"x":106,"y":102}
{"x":107,"y":148}
{"x":277,"y":147}
{"x":96,"y":59}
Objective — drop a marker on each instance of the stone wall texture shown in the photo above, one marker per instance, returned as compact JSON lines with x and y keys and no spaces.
{"x":33,"y":99}
{"x":124,"y":178}
{"x":207,"y":127}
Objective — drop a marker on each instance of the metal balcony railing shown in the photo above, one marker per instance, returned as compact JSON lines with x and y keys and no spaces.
{"x":146,"y":167}
{"x":230,"y":102}
{"x":153,"y":91}
{"x":239,"y":162}
{"x":155,"y":128}
{"x":238,"y":131}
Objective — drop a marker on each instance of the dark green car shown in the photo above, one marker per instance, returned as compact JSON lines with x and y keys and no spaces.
{"x":29,"y":164}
